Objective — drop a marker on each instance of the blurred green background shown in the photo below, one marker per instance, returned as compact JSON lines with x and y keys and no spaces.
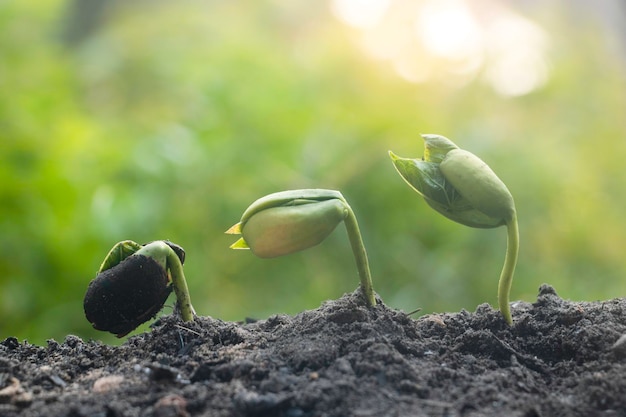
{"x":150,"y":120}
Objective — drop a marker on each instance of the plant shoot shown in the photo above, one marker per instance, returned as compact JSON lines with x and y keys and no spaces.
{"x":460,"y":186}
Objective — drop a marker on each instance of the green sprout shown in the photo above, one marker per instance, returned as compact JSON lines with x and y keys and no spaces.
{"x":290,"y":221}
{"x":133,"y":283}
{"x":459,"y":185}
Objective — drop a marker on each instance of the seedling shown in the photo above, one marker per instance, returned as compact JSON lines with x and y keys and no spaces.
{"x":133,"y":283}
{"x":459,"y":185}
{"x":290,"y":221}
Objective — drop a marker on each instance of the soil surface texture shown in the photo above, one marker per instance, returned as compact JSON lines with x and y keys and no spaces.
{"x":559,"y":358}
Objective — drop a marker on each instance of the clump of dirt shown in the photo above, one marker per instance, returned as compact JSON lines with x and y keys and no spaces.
{"x":559,"y":358}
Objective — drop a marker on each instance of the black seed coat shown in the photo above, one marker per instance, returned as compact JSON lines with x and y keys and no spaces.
{"x":127,"y":295}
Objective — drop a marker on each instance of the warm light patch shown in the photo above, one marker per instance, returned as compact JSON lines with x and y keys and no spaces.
{"x":451,"y":41}
{"x":517,"y":50}
{"x":360,"y":14}
{"x":448,"y":29}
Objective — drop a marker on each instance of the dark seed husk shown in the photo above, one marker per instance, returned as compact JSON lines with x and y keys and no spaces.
{"x":178,"y":250}
{"x":127,"y":295}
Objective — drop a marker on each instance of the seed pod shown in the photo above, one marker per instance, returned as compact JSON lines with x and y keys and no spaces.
{"x":457,"y":184}
{"x":122,"y":297}
{"x":477,"y":183}
{"x":283,"y":230}
{"x":290,"y":198}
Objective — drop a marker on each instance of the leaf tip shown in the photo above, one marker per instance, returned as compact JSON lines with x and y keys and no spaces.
{"x":234,"y":229}
{"x":240,"y":244}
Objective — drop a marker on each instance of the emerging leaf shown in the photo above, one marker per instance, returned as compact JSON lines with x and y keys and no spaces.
{"x":118,"y":253}
{"x":240,"y":244}
{"x":234,"y":229}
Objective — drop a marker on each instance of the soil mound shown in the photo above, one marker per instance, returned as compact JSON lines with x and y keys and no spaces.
{"x":559,"y":358}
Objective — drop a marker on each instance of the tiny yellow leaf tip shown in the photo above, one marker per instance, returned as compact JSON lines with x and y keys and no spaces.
{"x":234,"y":229}
{"x":240,"y":244}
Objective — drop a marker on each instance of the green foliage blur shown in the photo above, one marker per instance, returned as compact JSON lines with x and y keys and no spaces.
{"x":165,"y":120}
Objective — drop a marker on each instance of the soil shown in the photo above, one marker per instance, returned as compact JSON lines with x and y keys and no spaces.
{"x":559,"y":358}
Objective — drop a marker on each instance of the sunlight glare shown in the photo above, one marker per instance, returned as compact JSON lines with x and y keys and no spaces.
{"x":452,"y":41}
{"x":413,"y":68}
{"x":360,"y":14}
{"x":387,"y":41}
{"x":517,"y":50}
{"x":448,"y":29}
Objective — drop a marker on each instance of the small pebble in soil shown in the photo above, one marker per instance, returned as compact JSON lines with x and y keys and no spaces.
{"x":171,"y":406}
{"x":107,"y":383}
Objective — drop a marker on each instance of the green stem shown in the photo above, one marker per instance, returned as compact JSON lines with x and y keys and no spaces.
{"x":180,"y":286}
{"x":510,"y":260}
{"x":360,"y":256}
{"x":167,"y":258}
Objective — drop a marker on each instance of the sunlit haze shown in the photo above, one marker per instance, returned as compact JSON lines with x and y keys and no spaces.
{"x":452,"y":41}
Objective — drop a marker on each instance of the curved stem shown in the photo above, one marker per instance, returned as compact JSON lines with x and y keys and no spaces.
{"x":510,"y":260}
{"x":360,"y":256}
{"x":167,"y":258}
{"x":180,"y":286}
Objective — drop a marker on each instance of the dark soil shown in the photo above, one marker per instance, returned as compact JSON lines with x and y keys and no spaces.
{"x":559,"y":358}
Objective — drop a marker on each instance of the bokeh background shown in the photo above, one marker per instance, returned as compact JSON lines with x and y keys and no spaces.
{"x":150,"y":120}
